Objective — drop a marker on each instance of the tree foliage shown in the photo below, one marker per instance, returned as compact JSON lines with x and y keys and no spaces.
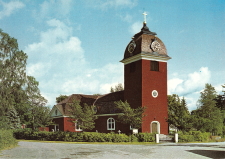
{"x":178,"y":114}
{"x":19,"y":94}
{"x":130,"y":116}
{"x":61,"y":98}
{"x":12,"y":73}
{"x":117,"y":88}
{"x":83,"y":115}
{"x":207,"y":117}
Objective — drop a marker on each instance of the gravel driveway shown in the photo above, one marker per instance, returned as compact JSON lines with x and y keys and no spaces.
{"x":45,"y":150}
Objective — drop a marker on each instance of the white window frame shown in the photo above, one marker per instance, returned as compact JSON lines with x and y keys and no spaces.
{"x":77,"y":126}
{"x":131,"y":127}
{"x":111,"y":124}
{"x":55,"y":127}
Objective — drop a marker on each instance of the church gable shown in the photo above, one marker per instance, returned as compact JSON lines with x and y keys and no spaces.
{"x":55,"y":112}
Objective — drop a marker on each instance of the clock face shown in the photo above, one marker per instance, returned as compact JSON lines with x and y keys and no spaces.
{"x":131,"y":47}
{"x":155,"y":46}
{"x":155,"y":93}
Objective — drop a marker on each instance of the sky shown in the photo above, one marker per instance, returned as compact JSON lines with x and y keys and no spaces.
{"x":74,"y":46}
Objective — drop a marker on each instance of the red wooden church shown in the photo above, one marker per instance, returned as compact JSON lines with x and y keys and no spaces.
{"x":145,"y":84}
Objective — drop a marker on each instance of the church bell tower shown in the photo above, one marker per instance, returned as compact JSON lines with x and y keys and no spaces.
{"x":145,"y":78}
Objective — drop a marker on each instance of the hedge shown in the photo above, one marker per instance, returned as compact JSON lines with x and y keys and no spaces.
{"x":82,"y":136}
{"x":6,"y":139}
{"x":146,"y":137}
{"x":192,"y":136}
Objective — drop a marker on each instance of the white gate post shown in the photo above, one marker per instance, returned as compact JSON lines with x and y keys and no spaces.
{"x":157,"y":138}
{"x":176,"y":137}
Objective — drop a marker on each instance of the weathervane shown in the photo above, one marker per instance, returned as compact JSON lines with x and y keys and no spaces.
{"x":145,"y":14}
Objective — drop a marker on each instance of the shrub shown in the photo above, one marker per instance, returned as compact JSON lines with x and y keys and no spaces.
{"x":6,"y":139}
{"x":133,"y":138}
{"x":192,"y":136}
{"x":146,"y":137}
{"x":186,"y":138}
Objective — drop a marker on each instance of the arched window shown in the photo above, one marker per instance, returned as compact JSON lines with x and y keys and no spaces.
{"x":77,"y":125}
{"x":111,"y":124}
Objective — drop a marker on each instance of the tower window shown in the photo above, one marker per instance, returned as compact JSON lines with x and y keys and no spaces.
{"x":132,"y":67}
{"x":154,"y":66}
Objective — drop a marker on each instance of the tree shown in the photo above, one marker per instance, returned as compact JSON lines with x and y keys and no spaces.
{"x":13,"y":119}
{"x":117,"y":88}
{"x":39,"y":113}
{"x":208,"y":117}
{"x":178,"y":114}
{"x":130,"y":116}
{"x":12,"y":73}
{"x":220,"y":100}
{"x":85,"y":116}
{"x":19,"y":94}
{"x":61,"y":98}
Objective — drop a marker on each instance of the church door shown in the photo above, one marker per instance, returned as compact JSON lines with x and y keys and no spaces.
{"x":154,"y":128}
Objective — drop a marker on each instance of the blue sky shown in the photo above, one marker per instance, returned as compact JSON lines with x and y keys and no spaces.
{"x":75,"y":46}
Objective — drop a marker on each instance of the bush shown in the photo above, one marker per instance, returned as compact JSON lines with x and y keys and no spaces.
{"x":192,"y":136}
{"x":6,"y":139}
{"x":186,"y":138}
{"x":146,"y":137}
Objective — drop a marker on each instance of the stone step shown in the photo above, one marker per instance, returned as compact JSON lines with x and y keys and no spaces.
{"x":163,"y":137}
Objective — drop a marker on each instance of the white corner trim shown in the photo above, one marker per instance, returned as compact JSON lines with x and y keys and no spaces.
{"x":61,"y":116}
{"x":145,"y":57}
{"x":110,"y":114}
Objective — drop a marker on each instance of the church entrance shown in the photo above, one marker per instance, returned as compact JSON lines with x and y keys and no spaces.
{"x":155,"y":127}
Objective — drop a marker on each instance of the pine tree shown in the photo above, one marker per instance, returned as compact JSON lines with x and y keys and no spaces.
{"x":208,"y":117}
{"x":13,"y":119}
{"x":178,"y":114}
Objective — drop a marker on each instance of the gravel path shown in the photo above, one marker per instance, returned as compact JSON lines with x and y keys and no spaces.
{"x":45,"y":150}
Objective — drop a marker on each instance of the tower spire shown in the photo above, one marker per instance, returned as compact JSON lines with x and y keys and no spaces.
{"x":145,"y":14}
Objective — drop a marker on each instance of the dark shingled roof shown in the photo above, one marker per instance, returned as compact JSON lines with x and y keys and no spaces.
{"x":144,"y":30}
{"x":143,"y":39}
{"x":104,"y":103}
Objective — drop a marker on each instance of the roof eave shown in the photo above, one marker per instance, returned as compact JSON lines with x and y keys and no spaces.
{"x":146,"y":56}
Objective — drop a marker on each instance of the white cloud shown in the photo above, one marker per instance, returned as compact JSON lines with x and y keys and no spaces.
{"x":135,"y":27}
{"x":192,"y":83}
{"x":105,"y":4}
{"x":172,"y":84}
{"x":52,"y":7}
{"x":127,"y":17}
{"x":191,"y":86}
{"x":58,"y":62}
{"x":9,"y":8}
{"x":219,"y":88}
